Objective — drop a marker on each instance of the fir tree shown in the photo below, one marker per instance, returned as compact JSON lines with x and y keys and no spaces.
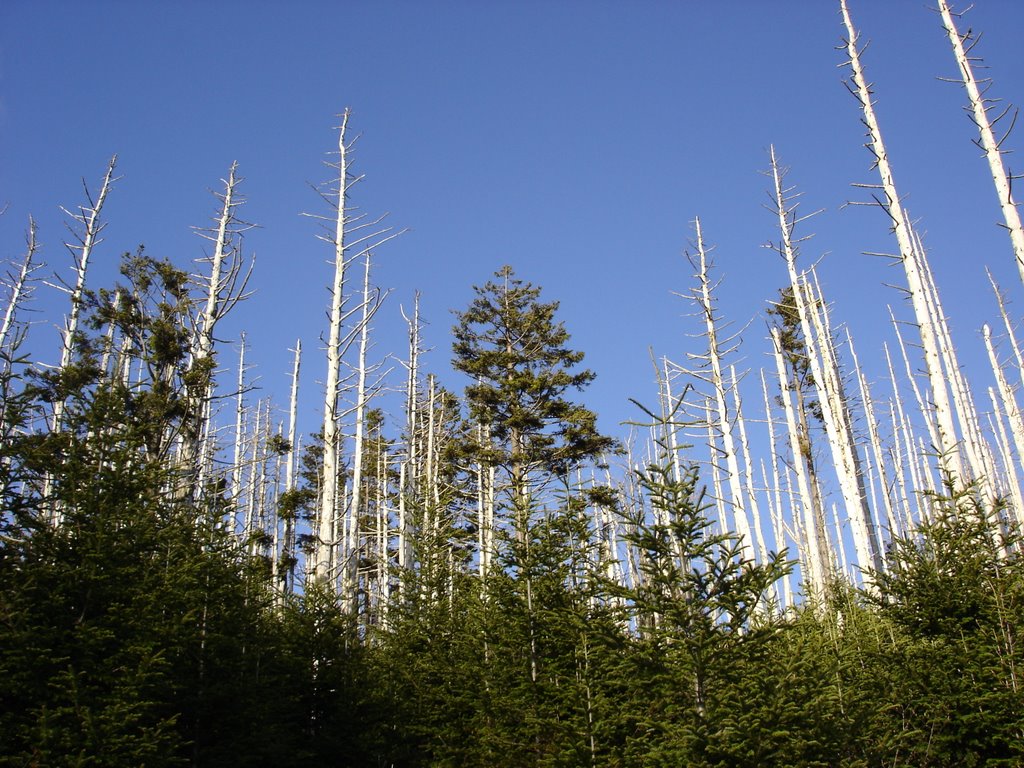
{"x":515,"y":351}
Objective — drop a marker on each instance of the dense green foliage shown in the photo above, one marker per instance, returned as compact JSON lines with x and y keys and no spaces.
{"x":137,"y":630}
{"x":509,"y":343}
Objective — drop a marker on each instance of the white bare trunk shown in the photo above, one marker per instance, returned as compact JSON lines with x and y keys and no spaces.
{"x":222,"y":261}
{"x":773,"y":490}
{"x":890,"y":203}
{"x":839,"y":425}
{"x":20,"y":289}
{"x":816,"y":570}
{"x":351,"y":238}
{"x":824,"y":366}
{"x":251,"y":504}
{"x":1010,"y":334}
{"x":325,"y":545}
{"x":293,"y":410}
{"x":355,"y":513}
{"x":844,"y":563}
{"x":88,"y":217}
{"x":412,"y":393}
{"x":237,"y":460}
{"x":975,"y":448}
{"x":723,"y":419}
{"x":383,"y":557}
{"x":875,"y":441}
{"x":431,"y":495}
{"x":485,"y":476}
{"x":751,"y":495}
{"x":1007,"y":399}
{"x":987,"y":139}
{"x":293,"y":457}
{"x":1009,"y":460}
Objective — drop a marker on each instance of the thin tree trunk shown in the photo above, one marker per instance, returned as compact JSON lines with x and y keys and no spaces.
{"x":817,"y":571}
{"x":974,"y":445}
{"x":724,"y":419}
{"x":875,"y":441}
{"x":1009,"y":461}
{"x":20,"y":289}
{"x":751,"y":495}
{"x":947,"y":441}
{"x":823,"y":362}
{"x":325,"y":547}
{"x":1009,"y":401}
{"x":987,"y":140}
{"x":350,"y":573}
{"x":89,"y":217}
{"x":851,"y":475}
{"x":287,"y":578}
{"x":225,"y":287}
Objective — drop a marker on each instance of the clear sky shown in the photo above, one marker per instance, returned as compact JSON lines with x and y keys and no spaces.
{"x":575,"y":141}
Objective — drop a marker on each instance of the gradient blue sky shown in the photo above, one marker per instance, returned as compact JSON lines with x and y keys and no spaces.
{"x":573,"y":140}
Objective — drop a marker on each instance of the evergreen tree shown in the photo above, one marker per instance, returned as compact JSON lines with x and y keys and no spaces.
{"x":133,"y":628}
{"x":515,"y":351}
{"x":955,"y":602}
{"x":704,"y":624}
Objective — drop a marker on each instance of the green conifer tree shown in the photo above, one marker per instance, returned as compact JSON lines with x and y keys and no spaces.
{"x":515,"y":351}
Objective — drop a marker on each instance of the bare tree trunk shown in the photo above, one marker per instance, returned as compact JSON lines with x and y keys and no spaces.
{"x":844,"y":563}
{"x":251,"y":504}
{"x":1010,"y":335}
{"x":824,"y":366}
{"x":485,"y":477}
{"x":237,"y":460}
{"x":751,"y":495}
{"x":225,"y":287}
{"x":350,"y":576}
{"x":773,"y":489}
{"x":974,"y":445}
{"x":845,"y":451}
{"x":325,"y":546}
{"x":88,"y":217}
{"x":817,"y":569}
{"x":350,"y":240}
{"x":723,"y":420}
{"x":383,"y":558}
{"x":947,"y":441}
{"x":1009,"y":461}
{"x":1008,"y":401}
{"x":875,"y":441}
{"x":987,"y":140}
{"x":287,"y":578}
{"x":21,"y":288}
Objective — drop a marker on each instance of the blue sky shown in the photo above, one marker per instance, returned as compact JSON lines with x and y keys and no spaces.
{"x":574,"y":140}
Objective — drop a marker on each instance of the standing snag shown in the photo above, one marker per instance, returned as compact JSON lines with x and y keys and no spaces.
{"x":978,"y":107}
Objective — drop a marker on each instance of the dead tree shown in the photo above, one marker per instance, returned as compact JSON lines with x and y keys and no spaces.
{"x":224,"y":286}
{"x":978,"y":108}
{"x":889,"y":201}
{"x":84,"y":240}
{"x":20,"y":290}
{"x":351,"y":236}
